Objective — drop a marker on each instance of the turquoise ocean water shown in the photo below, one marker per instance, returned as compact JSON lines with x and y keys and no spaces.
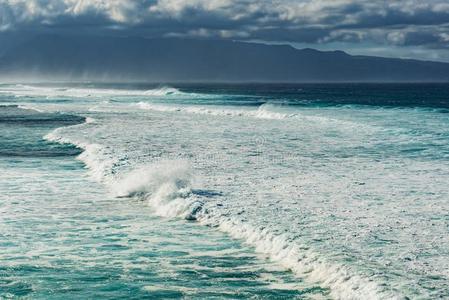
{"x":224,"y":191}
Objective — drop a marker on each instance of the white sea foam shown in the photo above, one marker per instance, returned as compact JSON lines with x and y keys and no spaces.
{"x":22,"y":106}
{"x":90,"y":120}
{"x":267,"y":111}
{"x":166,"y":186}
{"x":343,"y":282}
{"x":163,"y":91}
{"x":263,"y":112}
{"x":29,"y":107}
{"x":98,"y":161}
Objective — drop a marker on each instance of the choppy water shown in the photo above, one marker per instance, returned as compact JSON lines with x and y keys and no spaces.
{"x":332,"y":191}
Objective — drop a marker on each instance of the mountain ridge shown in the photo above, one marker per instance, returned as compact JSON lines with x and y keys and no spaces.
{"x":190,"y":60}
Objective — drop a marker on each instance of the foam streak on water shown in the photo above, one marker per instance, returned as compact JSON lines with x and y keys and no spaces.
{"x":352,"y":198}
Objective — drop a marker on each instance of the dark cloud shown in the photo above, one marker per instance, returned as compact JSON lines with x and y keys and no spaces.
{"x":403,"y":23}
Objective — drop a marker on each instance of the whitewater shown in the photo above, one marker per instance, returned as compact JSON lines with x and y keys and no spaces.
{"x":349,"y":197}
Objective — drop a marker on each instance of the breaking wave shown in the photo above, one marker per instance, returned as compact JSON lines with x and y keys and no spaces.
{"x":20,"y":90}
{"x":29,"y":107}
{"x":166,"y":185}
{"x":97,"y":159}
{"x":263,"y":111}
{"x":343,"y":282}
{"x":168,"y":188}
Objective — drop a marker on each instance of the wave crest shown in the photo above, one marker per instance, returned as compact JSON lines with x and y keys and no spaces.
{"x":166,"y":185}
{"x":264,"y":111}
{"x":51,"y":92}
{"x":163,"y":91}
{"x":343,"y":282}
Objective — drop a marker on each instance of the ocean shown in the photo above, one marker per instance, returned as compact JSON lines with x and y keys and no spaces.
{"x":208,"y":191}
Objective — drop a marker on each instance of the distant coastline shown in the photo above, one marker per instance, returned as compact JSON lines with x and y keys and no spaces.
{"x":131,"y":59}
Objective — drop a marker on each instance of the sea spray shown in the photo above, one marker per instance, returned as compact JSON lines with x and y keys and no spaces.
{"x":262,"y":112}
{"x":97,"y":159}
{"x":266,"y":111}
{"x":166,"y":185}
{"x":52,"y":92}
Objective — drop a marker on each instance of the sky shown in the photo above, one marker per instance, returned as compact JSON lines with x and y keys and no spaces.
{"x":403,"y":28}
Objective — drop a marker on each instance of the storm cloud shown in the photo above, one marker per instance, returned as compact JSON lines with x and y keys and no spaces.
{"x":384,"y":24}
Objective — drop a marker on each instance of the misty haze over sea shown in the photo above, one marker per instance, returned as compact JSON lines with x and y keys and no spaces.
{"x":54,"y":57}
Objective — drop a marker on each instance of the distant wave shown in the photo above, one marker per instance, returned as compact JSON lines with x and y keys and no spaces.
{"x":29,"y":107}
{"x":163,"y":91}
{"x":25,"y":107}
{"x":21,"y":90}
{"x":265,"y":111}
